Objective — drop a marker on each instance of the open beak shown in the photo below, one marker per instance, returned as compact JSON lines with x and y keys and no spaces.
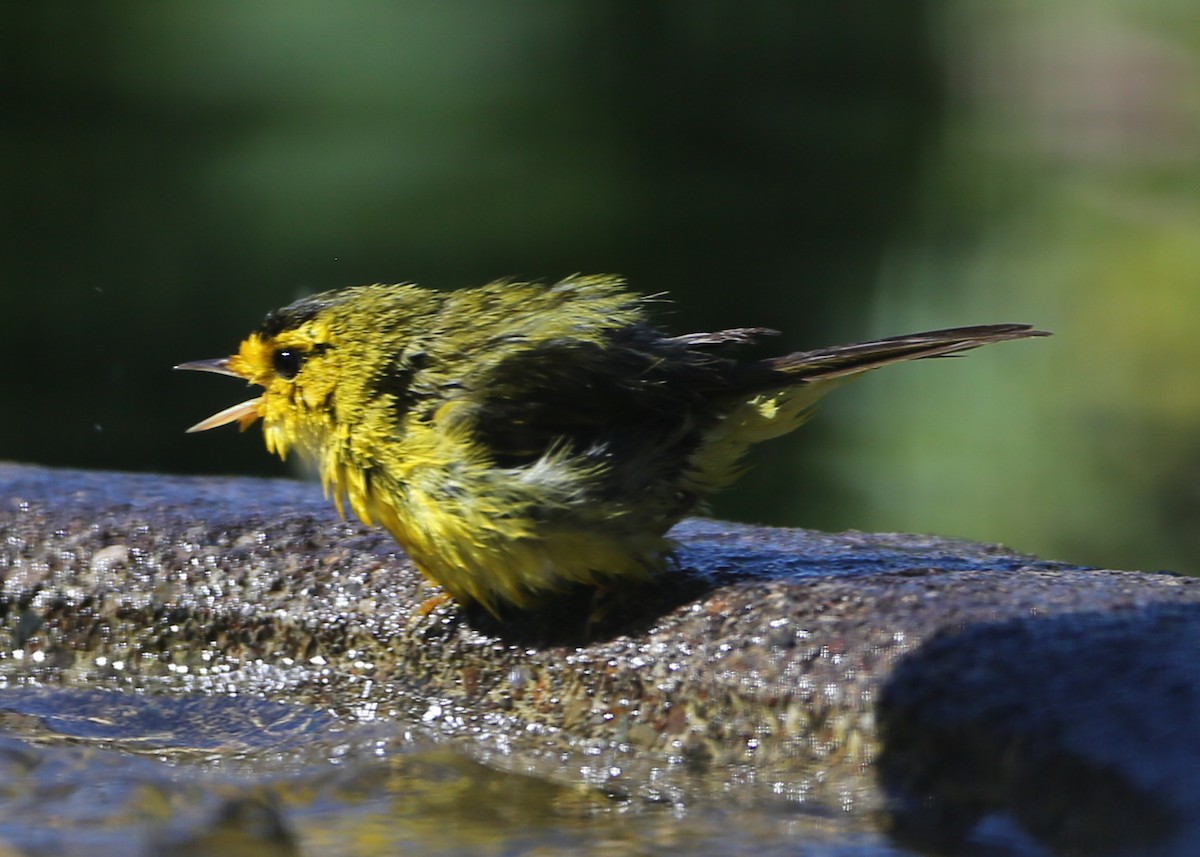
{"x":218,"y":365}
{"x":244,"y":413}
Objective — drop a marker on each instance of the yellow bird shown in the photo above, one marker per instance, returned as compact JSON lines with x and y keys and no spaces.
{"x":518,"y":439}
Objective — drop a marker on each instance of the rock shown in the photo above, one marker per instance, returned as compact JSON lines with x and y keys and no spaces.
{"x":962,"y":690}
{"x":1077,"y":727}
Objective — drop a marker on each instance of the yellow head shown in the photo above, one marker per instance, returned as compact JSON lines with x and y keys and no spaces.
{"x":323,"y":364}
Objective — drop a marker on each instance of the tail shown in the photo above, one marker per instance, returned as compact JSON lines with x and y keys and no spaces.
{"x":840,"y":361}
{"x":784,"y":395}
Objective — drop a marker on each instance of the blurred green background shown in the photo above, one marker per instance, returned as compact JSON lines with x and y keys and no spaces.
{"x":838,"y":171}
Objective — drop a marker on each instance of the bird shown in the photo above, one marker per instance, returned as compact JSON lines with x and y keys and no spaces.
{"x":521,"y":439}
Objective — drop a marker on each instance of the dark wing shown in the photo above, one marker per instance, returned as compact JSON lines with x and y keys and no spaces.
{"x":634,"y":394}
{"x":645,"y":399}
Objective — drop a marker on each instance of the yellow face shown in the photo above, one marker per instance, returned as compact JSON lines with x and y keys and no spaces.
{"x":298,"y":373}
{"x":323,"y":364}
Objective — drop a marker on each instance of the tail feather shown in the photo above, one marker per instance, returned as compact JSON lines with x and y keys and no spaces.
{"x":843,"y":360}
{"x":782,"y":392}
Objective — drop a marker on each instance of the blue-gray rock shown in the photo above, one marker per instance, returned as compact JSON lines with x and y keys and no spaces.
{"x":961,"y":692}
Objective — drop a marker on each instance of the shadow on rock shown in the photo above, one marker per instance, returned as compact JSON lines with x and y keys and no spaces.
{"x":717,"y":555}
{"x":1077,"y":731}
{"x":583,"y":616}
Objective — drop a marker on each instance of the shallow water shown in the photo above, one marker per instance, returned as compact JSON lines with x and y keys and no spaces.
{"x":86,"y":771}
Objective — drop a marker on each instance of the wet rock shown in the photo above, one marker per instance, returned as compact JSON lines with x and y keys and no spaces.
{"x":962,"y":690}
{"x":1076,"y":728}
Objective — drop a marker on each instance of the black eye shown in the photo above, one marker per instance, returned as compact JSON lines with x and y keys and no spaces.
{"x":287,"y":363}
